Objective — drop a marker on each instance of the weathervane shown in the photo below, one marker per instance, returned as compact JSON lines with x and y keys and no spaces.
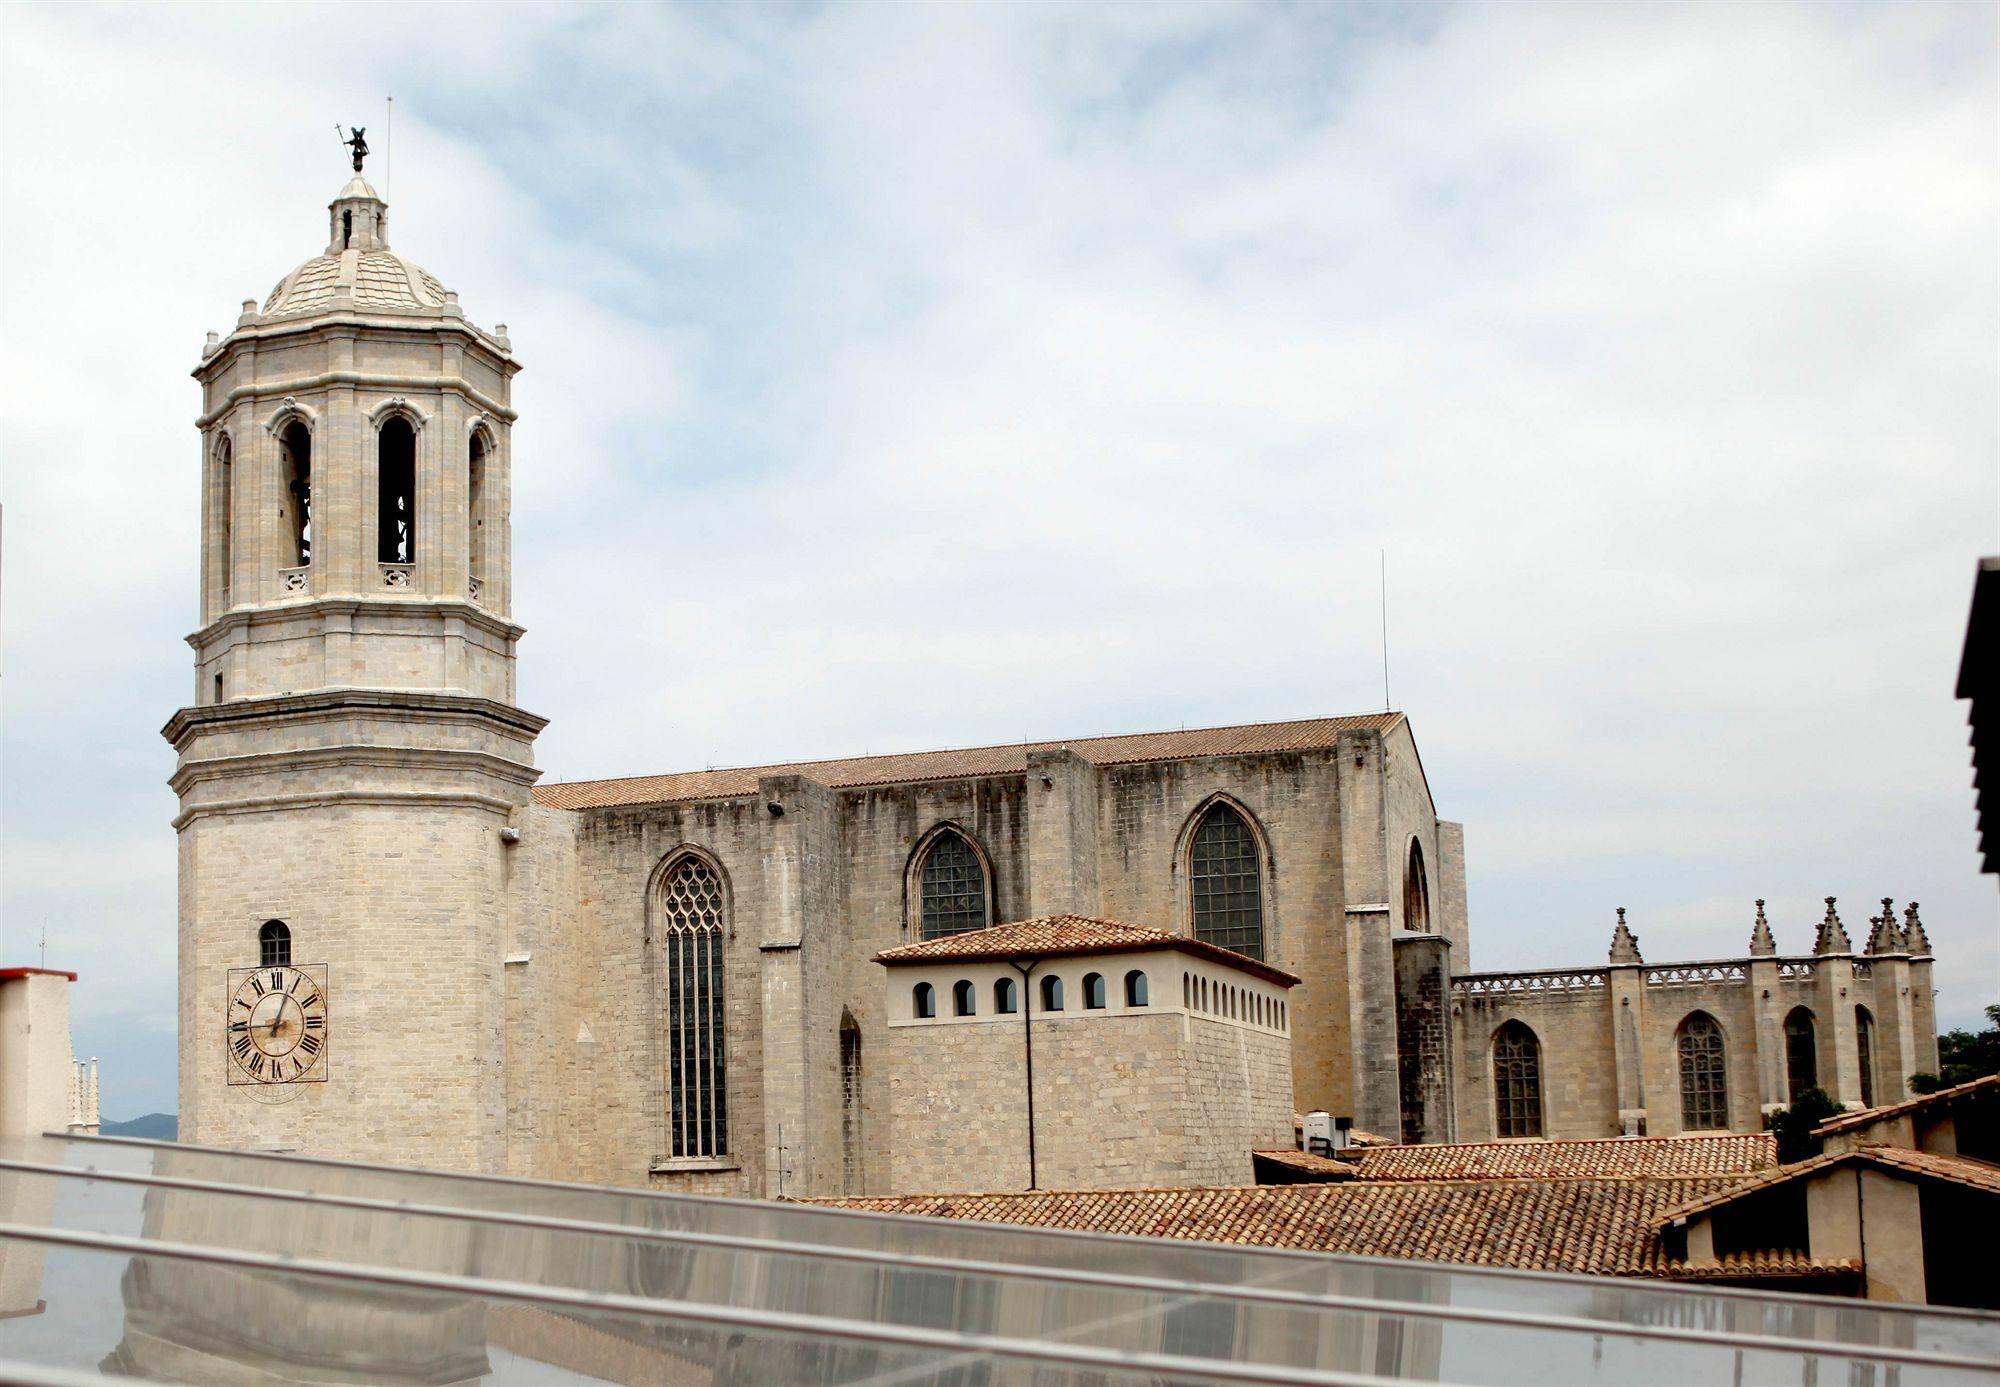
{"x":359,"y":143}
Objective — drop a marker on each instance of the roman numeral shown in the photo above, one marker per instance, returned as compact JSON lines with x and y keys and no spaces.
{"x":313,"y":1023}
{"x":242,"y":1045}
{"x":297,"y":978}
{"x":277,"y":978}
{"x":310,"y":1002}
{"x":257,"y":1065}
{"x":239,"y":1025}
{"x":241,"y":1003}
{"x":258,"y":984}
{"x":309,"y":1043}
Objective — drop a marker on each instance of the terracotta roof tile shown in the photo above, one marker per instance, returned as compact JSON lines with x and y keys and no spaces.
{"x":1321,"y":1167}
{"x":851,"y":772}
{"x":1743,"y":1265}
{"x":1943,"y":1097}
{"x":1057,"y":936}
{"x":1959,"y":1169}
{"x":1599,"y":1227}
{"x":1733,"y":1153}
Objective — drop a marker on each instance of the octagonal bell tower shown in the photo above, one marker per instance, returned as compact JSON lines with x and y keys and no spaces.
{"x":352,"y":752}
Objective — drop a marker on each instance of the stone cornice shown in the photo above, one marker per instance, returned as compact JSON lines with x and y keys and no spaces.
{"x":351,"y":754}
{"x":384,"y":798}
{"x":410,"y":704}
{"x":285,"y":330}
{"x":471,"y":613}
{"x":365,"y":380}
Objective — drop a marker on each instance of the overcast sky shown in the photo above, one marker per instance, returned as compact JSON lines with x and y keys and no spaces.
{"x":902,"y":377}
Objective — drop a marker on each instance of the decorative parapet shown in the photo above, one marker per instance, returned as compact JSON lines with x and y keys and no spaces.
{"x":1863,"y":968}
{"x":1541,"y":982}
{"x":1795,"y":967}
{"x":472,"y":588}
{"x":1686,"y":974}
{"x":295,"y":579}
{"x":397,"y":575}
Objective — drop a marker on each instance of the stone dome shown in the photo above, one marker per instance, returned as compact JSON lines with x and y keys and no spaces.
{"x":368,"y":279}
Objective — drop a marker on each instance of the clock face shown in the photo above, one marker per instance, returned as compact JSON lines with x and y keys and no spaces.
{"x":276,"y":1029}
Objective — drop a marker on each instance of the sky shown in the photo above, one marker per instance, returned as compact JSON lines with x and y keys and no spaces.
{"x":905,"y":376}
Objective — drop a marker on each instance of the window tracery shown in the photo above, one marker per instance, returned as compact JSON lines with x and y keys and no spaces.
{"x":1225,"y":882}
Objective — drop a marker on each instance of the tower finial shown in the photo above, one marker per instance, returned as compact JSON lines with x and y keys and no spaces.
{"x":1914,"y":938}
{"x":1832,"y":934}
{"x":1624,"y":943}
{"x":357,"y":142}
{"x":1883,"y":936}
{"x":1762,"y":945}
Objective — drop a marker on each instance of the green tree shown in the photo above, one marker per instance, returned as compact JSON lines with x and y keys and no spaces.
{"x":1794,"y":1125}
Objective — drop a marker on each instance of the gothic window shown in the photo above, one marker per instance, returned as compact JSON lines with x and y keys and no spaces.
{"x":225,"y":517}
{"x":1801,"y":1052}
{"x":274,"y":944}
{"x":962,"y":1003}
{"x":1052,"y":999}
{"x":295,"y":471}
{"x":396,"y":492}
{"x":1416,"y":892}
{"x":951,"y":887}
{"x":691,"y":942}
{"x":1093,"y":991}
{"x":475,"y":511}
{"x":1864,"y":1044}
{"x":851,"y":1171}
{"x":1704,"y":1087}
{"x":1004,"y":997}
{"x":1135,"y":988}
{"x":1517,"y":1081}
{"x":923,"y":1001}
{"x":1225,"y":883}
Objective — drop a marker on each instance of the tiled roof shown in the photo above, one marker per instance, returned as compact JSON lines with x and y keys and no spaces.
{"x":1056,"y":936}
{"x":1740,"y":1266}
{"x":1958,"y":1169}
{"x":1943,"y":1097}
{"x":1733,"y":1153}
{"x":1249,"y":740}
{"x":1319,"y":1167}
{"x":1599,"y":1227}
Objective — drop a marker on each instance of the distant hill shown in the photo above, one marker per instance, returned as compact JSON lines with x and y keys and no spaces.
{"x":158,"y":1126}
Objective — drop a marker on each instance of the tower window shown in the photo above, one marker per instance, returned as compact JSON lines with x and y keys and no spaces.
{"x":295,"y":466}
{"x":690,"y":941}
{"x":1864,"y":1044}
{"x":1517,"y":1081}
{"x":475,"y":511}
{"x":274,"y":945}
{"x":1801,"y":1052}
{"x":951,"y":887}
{"x":396,"y":479}
{"x":1135,"y":988}
{"x":1704,"y":1080}
{"x":1416,"y":892}
{"x":962,"y":1000}
{"x":224,"y":518}
{"x":1226,"y":883}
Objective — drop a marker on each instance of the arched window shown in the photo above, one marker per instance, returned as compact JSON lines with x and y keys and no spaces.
{"x":851,"y":1147}
{"x":295,"y":471}
{"x":962,"y":1001}
{"x":1801,"y":1052}
{"x":1704,"y":1082}
{"x":396,"y":492}
{"x":225,"y":517}
{"x":274,"y":944}
{"x":1201,"y":994}
{"x":923,"y":1001}
{"x":1135,"y":988}
{"x":951,"y":887}
{"x":475,"y":513}
{"x":691,"y":943}
{"x":1093,"y":991}
{"x":1005,"y":997}
{"x":1864,"y":1044}
{"x":1416,"y":892}
{"x":1052,"y":993}
{"x":1517,"y":1081}
{"x":1187,"y":992}
{"x":1225,"y":884}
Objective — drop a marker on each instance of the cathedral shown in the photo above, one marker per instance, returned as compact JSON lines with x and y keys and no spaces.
{"x":1115,"y":959}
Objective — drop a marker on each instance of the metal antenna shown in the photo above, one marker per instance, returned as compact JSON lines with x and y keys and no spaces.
{"x":1386,"y":704}
{"x":45,"y":943}
{"x":389,"y":149}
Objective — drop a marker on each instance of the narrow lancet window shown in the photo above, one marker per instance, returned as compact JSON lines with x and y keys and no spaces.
{"x":1864,"y":1044}
{"x":274,"y":945}
{"x":1801,"y":1052}
{"x":691,"y":940}
{"x":225,"y":517}
{"x":1416,"y":892}
{"x":396,"y":479}
{"x":951,"y":888}
{"x":1226,"y":884}
{"x":1517,"y":1081}
{"x":1704,"y":1078}
{"x":295,"y":467}
{"x":475,"y":514}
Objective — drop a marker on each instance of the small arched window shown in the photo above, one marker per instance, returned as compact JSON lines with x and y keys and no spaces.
{"x":1052,"y":998}
{"x":962,"y":1001}
{"x":1517,"y":1081}
{"x":1006,"y":997}
{"x":295,"y":471}
{"x":1135,"y":988}
{"x":475,"y":512}
{"x":1187,"y":992}
{"x":274,"y":944}
{"x":1704,"y":1077}
{"x":225,"y":517}
{"x":1416,"y":892}
{"x":1864,"y":1044}
{"x":1093,"y":991}
{"x":1801,"y":1052}
{"x":923,"y":1001}
{"x":396,"y":492}
{"x":1201,"y":994}
{"x":951,"y":887}
{"x":1225,"y":883}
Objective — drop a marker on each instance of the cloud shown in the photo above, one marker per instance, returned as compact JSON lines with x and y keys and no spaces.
{"x":914,"y":376}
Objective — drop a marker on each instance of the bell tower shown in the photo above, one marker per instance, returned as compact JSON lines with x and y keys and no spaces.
{"x":352,"y":752}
